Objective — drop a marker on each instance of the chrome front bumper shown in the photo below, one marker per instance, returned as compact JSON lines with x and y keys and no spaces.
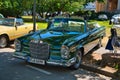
{"x":66,"y":63}
{"x":20,"y":55}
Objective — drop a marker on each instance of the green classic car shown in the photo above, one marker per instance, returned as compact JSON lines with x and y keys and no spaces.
{"x":63,"y":43}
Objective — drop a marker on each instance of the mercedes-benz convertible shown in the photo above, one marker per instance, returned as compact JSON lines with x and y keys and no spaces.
{"x":63,"y":43}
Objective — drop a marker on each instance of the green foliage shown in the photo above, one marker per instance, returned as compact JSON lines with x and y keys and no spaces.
{"x":117,"y":66}
{"x":16,"y":7}
{"x":7,"y":8}
{"x":76,"y":6}
{"x":93,"y":1}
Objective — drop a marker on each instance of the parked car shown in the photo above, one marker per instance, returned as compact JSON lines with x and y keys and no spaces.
{"x":102,"y":17}
{"x":12,"y":28}
{"x":63,"y":43}
{"x":116,"y":19}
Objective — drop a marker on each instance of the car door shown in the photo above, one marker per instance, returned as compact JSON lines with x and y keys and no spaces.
{"x":21,"y":29}
{"x":8,"y":27}
{"x":92,"y":38}
{"x":10,"y":30}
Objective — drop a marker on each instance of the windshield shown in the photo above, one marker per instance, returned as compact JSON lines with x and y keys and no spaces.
{"x":7,"y":21}
{"x":67,"y":25}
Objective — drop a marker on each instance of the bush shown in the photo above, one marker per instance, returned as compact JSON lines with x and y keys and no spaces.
{"x":86,"y":14}
{"x":93,"y":15}
{"x":109,"y":14}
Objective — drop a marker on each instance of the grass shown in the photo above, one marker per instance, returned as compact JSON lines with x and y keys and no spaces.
{"x":106,"y":24}
{"x":27,"y":17}
{"x":41,"y":25}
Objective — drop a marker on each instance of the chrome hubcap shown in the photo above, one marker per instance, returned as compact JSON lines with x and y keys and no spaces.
{"x":3,"y":42}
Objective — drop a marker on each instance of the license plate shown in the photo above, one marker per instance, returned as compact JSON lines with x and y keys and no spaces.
{"x":37,"y":61}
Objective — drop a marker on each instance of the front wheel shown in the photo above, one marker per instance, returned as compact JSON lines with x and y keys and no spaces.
{"x":76,"y":65}
{"x":3,"y":41}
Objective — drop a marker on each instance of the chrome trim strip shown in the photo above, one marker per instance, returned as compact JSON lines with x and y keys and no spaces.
{"x":20,"y":57}
{"x":68,"y":63}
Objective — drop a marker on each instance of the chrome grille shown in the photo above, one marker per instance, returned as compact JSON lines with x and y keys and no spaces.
{"x":39,"y":50}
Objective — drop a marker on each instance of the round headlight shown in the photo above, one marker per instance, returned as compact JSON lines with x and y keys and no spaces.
{"x":17,"y":45}
{"x":65,"y":52}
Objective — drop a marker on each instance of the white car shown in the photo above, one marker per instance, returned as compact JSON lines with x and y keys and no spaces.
{"x":116,"y":19}
{"x":116,"y":16}
{"x":102,"y":17}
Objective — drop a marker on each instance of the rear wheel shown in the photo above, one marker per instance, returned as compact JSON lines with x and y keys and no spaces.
{"x":3,"y":41}
{"x":76,"y":65}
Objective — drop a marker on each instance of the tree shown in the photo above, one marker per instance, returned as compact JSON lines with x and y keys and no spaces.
{"x":50,"y":6}
{"x":16,"y":7}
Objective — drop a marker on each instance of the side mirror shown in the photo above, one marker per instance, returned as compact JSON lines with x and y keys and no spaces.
{"x":15,"y":26}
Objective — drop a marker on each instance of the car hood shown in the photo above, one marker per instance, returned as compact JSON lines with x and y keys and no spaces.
{"x":51,"y":37}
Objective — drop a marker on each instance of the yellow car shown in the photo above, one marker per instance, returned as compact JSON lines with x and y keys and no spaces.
{"x":12,"y":28}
